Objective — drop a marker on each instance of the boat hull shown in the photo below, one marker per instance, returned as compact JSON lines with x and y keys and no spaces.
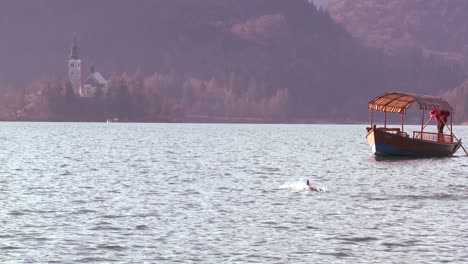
{"x":384,"y":143}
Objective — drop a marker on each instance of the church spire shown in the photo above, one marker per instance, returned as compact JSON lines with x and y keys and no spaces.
{"x":74,"y":50}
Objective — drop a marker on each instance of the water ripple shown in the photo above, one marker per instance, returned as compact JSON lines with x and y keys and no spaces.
{"x":182,"y":193}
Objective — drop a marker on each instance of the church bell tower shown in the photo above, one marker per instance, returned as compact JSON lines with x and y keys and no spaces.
{"x":74,"y":69}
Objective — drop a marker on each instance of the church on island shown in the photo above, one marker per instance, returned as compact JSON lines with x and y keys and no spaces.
{"x":94,"y":84}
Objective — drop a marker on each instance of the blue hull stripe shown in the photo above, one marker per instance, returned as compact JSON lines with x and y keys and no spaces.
{"x":381,"y":148}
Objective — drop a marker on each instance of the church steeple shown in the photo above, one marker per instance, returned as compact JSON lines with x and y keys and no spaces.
{"x":74,"y":69}
{"x":74,"y":50}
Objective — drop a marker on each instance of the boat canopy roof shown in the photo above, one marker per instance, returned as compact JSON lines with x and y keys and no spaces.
{"x":397,"y":102}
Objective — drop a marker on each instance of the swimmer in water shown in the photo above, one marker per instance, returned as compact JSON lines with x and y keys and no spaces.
{"x":311,"y":187}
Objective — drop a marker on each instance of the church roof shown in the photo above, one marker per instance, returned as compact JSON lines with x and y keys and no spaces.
{"x":99,"y":78}
{"x":95,"y":78}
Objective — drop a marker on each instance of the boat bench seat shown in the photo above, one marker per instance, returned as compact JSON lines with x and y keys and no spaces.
{"x":394,"y":130}
{"x":390,"y":129}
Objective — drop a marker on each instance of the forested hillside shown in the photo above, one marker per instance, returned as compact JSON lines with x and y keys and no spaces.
{"x":435,"y":29}
{"x":211,"y":60}
{"x":438,"y":27}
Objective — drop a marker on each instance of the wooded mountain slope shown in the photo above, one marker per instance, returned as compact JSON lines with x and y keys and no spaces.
{"x":269,"y":60}
{"x":438,"y":27}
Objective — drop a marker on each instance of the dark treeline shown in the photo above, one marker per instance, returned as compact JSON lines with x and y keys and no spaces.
{"x":127,"y":99}
{"x":231,"y":60}
{"x":136,"y":98}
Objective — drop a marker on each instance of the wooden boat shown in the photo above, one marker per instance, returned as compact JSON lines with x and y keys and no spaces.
{"x":394,"y":141}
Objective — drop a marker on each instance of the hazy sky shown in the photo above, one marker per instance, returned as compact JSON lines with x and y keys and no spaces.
{"x":35,"y":36}
{"x":115,"y":35}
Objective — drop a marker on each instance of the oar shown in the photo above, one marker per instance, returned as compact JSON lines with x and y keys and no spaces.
{"x":425,"y":125}
{"x":461,"y":145}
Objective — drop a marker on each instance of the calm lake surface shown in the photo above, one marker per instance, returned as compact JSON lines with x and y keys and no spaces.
{"x":211,"y":193}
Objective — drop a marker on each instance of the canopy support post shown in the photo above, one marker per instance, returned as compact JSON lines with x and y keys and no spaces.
{"x":385,"y":119}
{"x":422,"y":123}
{"x":451,"y":125}
{"x":402,"y":120}
{"x":372,"y":118}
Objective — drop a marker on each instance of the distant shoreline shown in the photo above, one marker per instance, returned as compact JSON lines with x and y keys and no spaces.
{"x":202,"y":119}
{"x":213,"y":121}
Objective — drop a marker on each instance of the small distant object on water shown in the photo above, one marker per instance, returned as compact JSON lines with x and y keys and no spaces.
{"x":112,"y":120}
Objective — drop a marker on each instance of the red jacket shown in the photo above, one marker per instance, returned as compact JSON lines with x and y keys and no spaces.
{"x":440,"y":114}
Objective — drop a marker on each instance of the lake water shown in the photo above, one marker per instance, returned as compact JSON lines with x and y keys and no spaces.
{"x":211,"y":193}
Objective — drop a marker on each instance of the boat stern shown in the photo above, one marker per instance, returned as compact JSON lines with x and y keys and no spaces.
{"x":371,"y":140}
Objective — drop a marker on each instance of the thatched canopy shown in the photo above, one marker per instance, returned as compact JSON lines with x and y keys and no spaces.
{"x":396,"y":102}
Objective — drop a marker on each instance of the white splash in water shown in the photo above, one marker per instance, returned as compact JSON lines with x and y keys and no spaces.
{"x":295,"y":186}
{"x":300,"y":186}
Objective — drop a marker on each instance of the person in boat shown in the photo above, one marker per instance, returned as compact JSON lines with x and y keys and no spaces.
{"x":441,"y":119}
{"x":311,"y":187}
